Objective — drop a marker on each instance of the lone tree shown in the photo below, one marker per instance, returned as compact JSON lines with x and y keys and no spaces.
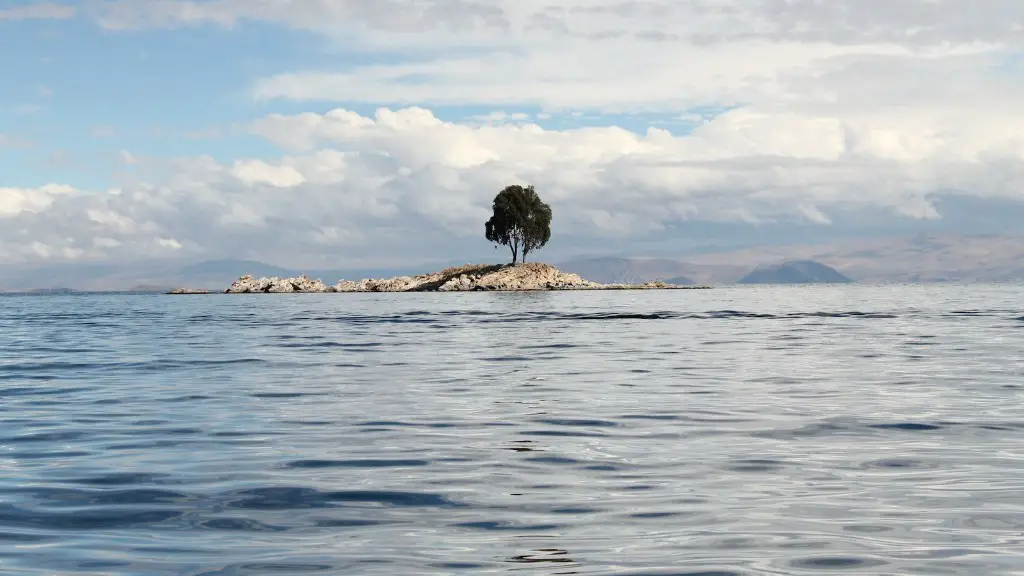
{"x":521,"y":221}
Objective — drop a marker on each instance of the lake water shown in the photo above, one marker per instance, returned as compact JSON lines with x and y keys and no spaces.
{"x":783,"y":430}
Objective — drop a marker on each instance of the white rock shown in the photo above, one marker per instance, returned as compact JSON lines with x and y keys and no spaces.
{"x":522,"y":277}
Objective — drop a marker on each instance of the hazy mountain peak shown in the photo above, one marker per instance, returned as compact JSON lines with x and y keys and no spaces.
{"x":796,"y":272}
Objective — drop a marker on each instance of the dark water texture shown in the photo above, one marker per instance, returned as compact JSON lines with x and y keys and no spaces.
{"x":802,"y":430}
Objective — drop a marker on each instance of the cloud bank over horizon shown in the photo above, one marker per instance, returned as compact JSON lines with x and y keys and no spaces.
{"x":362,"y":131}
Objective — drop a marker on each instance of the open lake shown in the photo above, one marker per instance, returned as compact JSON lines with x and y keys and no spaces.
{"x":781,"y":430}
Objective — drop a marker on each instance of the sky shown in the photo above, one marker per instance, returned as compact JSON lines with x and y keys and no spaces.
{"x":336,"y":133}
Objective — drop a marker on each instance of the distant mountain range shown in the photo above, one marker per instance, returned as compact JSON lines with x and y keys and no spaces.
{"x":922,"y":258}
{"x":611,"y":270}
{"x":637,"y":270}
{"x":160,"y":276}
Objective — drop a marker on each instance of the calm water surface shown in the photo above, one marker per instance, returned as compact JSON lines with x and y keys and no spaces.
{"x":789,"y":430}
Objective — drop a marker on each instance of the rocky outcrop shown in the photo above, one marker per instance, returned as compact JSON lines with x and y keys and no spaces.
{"x":189,"y":291}
{"x":470,"y":278}
{"x":475,"y":278}
{"x":274,"y":285}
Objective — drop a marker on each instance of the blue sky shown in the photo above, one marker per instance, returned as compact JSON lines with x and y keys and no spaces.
{"x":85,"y":93}
{"x":380,"y":130}
{"x":74,"y":87}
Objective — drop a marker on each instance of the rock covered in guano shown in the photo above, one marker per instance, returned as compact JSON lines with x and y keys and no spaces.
{"x":274,"y":285}
{"x":473,"y":277}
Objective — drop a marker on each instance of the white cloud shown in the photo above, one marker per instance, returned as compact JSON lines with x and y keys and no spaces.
{"x":618,"y":75}
{"x":606,"y":54}
{"x":14,"y":201}
{"x":41,"y":250}
{"x":38,"y":11}
{"x":817,"y":109}
{"x":698,"y":21}
{"x":169,"y":243}
{"x":254,"y":172}
{"x":501,"y":117}
{"x":354,"y":188}
{"x":111,"y":220}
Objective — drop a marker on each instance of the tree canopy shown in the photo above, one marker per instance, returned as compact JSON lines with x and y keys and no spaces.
{"x":520,"y":221}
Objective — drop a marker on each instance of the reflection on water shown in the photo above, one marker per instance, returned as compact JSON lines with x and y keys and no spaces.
{"x":805,"y":430}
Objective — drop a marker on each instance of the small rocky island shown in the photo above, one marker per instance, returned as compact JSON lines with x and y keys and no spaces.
{"x":469,"y":278}
{"x":520,"y":220}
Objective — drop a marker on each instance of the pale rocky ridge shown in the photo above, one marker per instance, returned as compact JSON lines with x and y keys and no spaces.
{"x":469,"y":278}
{"x":189,"y":291}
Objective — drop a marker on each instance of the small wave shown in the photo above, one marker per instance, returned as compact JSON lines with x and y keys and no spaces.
{"x":79,"y":520}
{"x":493,"y":525}
{"x":238,"y":525}
{"x":424,"y":317}
{"x":559,"y":460}
{"x":756,"y":465}
{"x":46,"y":454}
{"x":576,"y":422}
{"x":43,"y":437}
{"x":900,"y":464}
{"x":907,"y":426}
{"x":29,"y":367}
{"x":53,"y":369}
{"x":41,"y":391}
{"x":348,"y":523}
{"x":120,"y":479}
{"x":295,"y":498}
{"x":861,"y":428}
{"x":713,"y":434}
{"x":22,"y":538}
{"x":187,"y":398}
{"x":661,"y":417}
{"x":360,"y":347}
{"x":366,"y":463}
{"x":285,"y":395}
{"x":835,"y":563}
{"x":565,"y":433}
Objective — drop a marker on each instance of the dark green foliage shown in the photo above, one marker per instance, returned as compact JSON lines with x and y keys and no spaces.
{"x":521,"y":221}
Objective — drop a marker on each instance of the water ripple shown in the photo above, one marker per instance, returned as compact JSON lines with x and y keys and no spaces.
{"x":733,"y":432}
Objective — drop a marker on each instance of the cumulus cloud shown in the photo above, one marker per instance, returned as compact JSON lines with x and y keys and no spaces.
{"x":14,"y":201}
{"x":403,"y":182}
{"x":820,"y":109}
